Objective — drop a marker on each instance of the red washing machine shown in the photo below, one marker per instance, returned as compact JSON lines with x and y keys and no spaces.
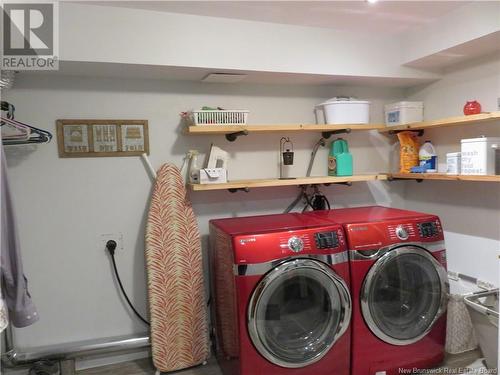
{"x":399,"y":287}
{"x":281,"y":301}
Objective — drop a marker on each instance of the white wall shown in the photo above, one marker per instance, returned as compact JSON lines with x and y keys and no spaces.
{"x":470,"y":211}
{"x":63,"y":205}
{"x":464,"y":24}
{"x":136,"y":36}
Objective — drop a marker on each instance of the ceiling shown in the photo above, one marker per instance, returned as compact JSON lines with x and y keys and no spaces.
{"x":483,"y":46}
{"x":178,"y":73}
{"x":384,"y":17}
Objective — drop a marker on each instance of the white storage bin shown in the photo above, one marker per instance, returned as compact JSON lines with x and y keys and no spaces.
{"x":404,"y":113}
{"x":453,"y":161}
{"x":345,"y":111}
{"x":484,"y":312}
{"x":220,"y":117}
{"x":479,"y":155}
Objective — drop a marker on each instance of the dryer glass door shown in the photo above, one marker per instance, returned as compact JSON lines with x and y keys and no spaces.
{"x":297,"y":312}
{"x":403,"y":295}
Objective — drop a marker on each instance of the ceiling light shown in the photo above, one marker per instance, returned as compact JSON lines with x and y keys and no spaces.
{"x":372,"y":1}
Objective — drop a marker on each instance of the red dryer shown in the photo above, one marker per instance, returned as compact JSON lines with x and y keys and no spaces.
{"x":281,"y":301}
{"x":399,"y":287}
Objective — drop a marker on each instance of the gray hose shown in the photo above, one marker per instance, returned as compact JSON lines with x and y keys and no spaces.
{"x":292,"y":205}
{"x":295,"y":202}
{"x":321,"y":142}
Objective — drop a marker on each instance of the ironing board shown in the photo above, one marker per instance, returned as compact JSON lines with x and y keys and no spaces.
{"x":179,"y":334}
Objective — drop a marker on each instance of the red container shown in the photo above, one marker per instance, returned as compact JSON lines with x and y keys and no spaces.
{"x":472,"y":107}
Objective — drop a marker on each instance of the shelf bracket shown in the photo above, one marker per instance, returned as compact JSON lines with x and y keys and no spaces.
{"x":231,"y":137}
{"x":328,"y":134}
{"x":346,"y":183}
{"x":390,"y":178}
{"x":234,"y":190}
{"x":420,"y":132}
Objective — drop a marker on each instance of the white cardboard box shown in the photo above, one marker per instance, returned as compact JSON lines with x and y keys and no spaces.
{"x":213,"y":176}
{"x":453,"y":161}
{"x":403,"y":113}
{"x":479,"y":155}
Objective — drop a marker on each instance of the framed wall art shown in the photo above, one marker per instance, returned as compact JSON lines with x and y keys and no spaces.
{"x":102,"y":138}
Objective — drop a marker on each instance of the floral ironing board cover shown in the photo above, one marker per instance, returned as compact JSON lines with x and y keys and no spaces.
{"x":179,"y":333}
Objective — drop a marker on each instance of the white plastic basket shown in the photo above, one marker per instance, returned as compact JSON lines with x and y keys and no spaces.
{"x":220,"y":117}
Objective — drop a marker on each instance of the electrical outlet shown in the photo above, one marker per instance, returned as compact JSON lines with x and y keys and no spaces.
{"x":104,"y":238}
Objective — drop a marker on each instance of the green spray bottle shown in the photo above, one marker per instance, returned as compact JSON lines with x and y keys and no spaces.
{"x":339,"y":159}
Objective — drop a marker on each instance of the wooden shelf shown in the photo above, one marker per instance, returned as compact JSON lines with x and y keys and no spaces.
{"x":250,"y":184}
{"x":451,"y":121}
{"x":444,"y":177}
{"x":228,"y":129}
{"x":274,"y":182}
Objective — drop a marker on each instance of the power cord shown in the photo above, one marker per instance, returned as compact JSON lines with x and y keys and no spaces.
{"x":111,"y":247}
{"x":44,"y":367}
{"x":316,"y":201}
{"x":319,"y":201}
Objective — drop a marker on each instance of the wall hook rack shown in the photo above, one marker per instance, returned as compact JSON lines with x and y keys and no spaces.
{"x":328,"y":134}
{"x":231,"y":137}
{"x":420,"y":132}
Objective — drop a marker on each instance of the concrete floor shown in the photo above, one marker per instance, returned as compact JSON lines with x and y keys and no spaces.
{"x":145,"y":366}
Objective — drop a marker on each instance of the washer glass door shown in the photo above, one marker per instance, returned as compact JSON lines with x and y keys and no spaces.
{"x":403,"y":295}
{"x":297,"y":312}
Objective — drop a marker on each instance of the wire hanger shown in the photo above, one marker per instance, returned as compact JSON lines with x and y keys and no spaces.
{"x":27,"y":134}
{"x":9,"y":108}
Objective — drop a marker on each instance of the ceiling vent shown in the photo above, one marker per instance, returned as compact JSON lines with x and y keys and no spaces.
{"x":224,"y":78}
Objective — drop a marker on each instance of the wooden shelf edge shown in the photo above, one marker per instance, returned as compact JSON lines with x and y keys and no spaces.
{"x":444,"y":177}
{"x":259,"y":183}
{"x":228,"y":129}
{"x":450,"y":121}
{"x":382,"y":128}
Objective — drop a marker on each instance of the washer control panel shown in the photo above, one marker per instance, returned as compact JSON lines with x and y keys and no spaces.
{"x":326,"y":240}
{"x":402,"y":233}
{"x":428,"y":229}
{"x":295,"y":244}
